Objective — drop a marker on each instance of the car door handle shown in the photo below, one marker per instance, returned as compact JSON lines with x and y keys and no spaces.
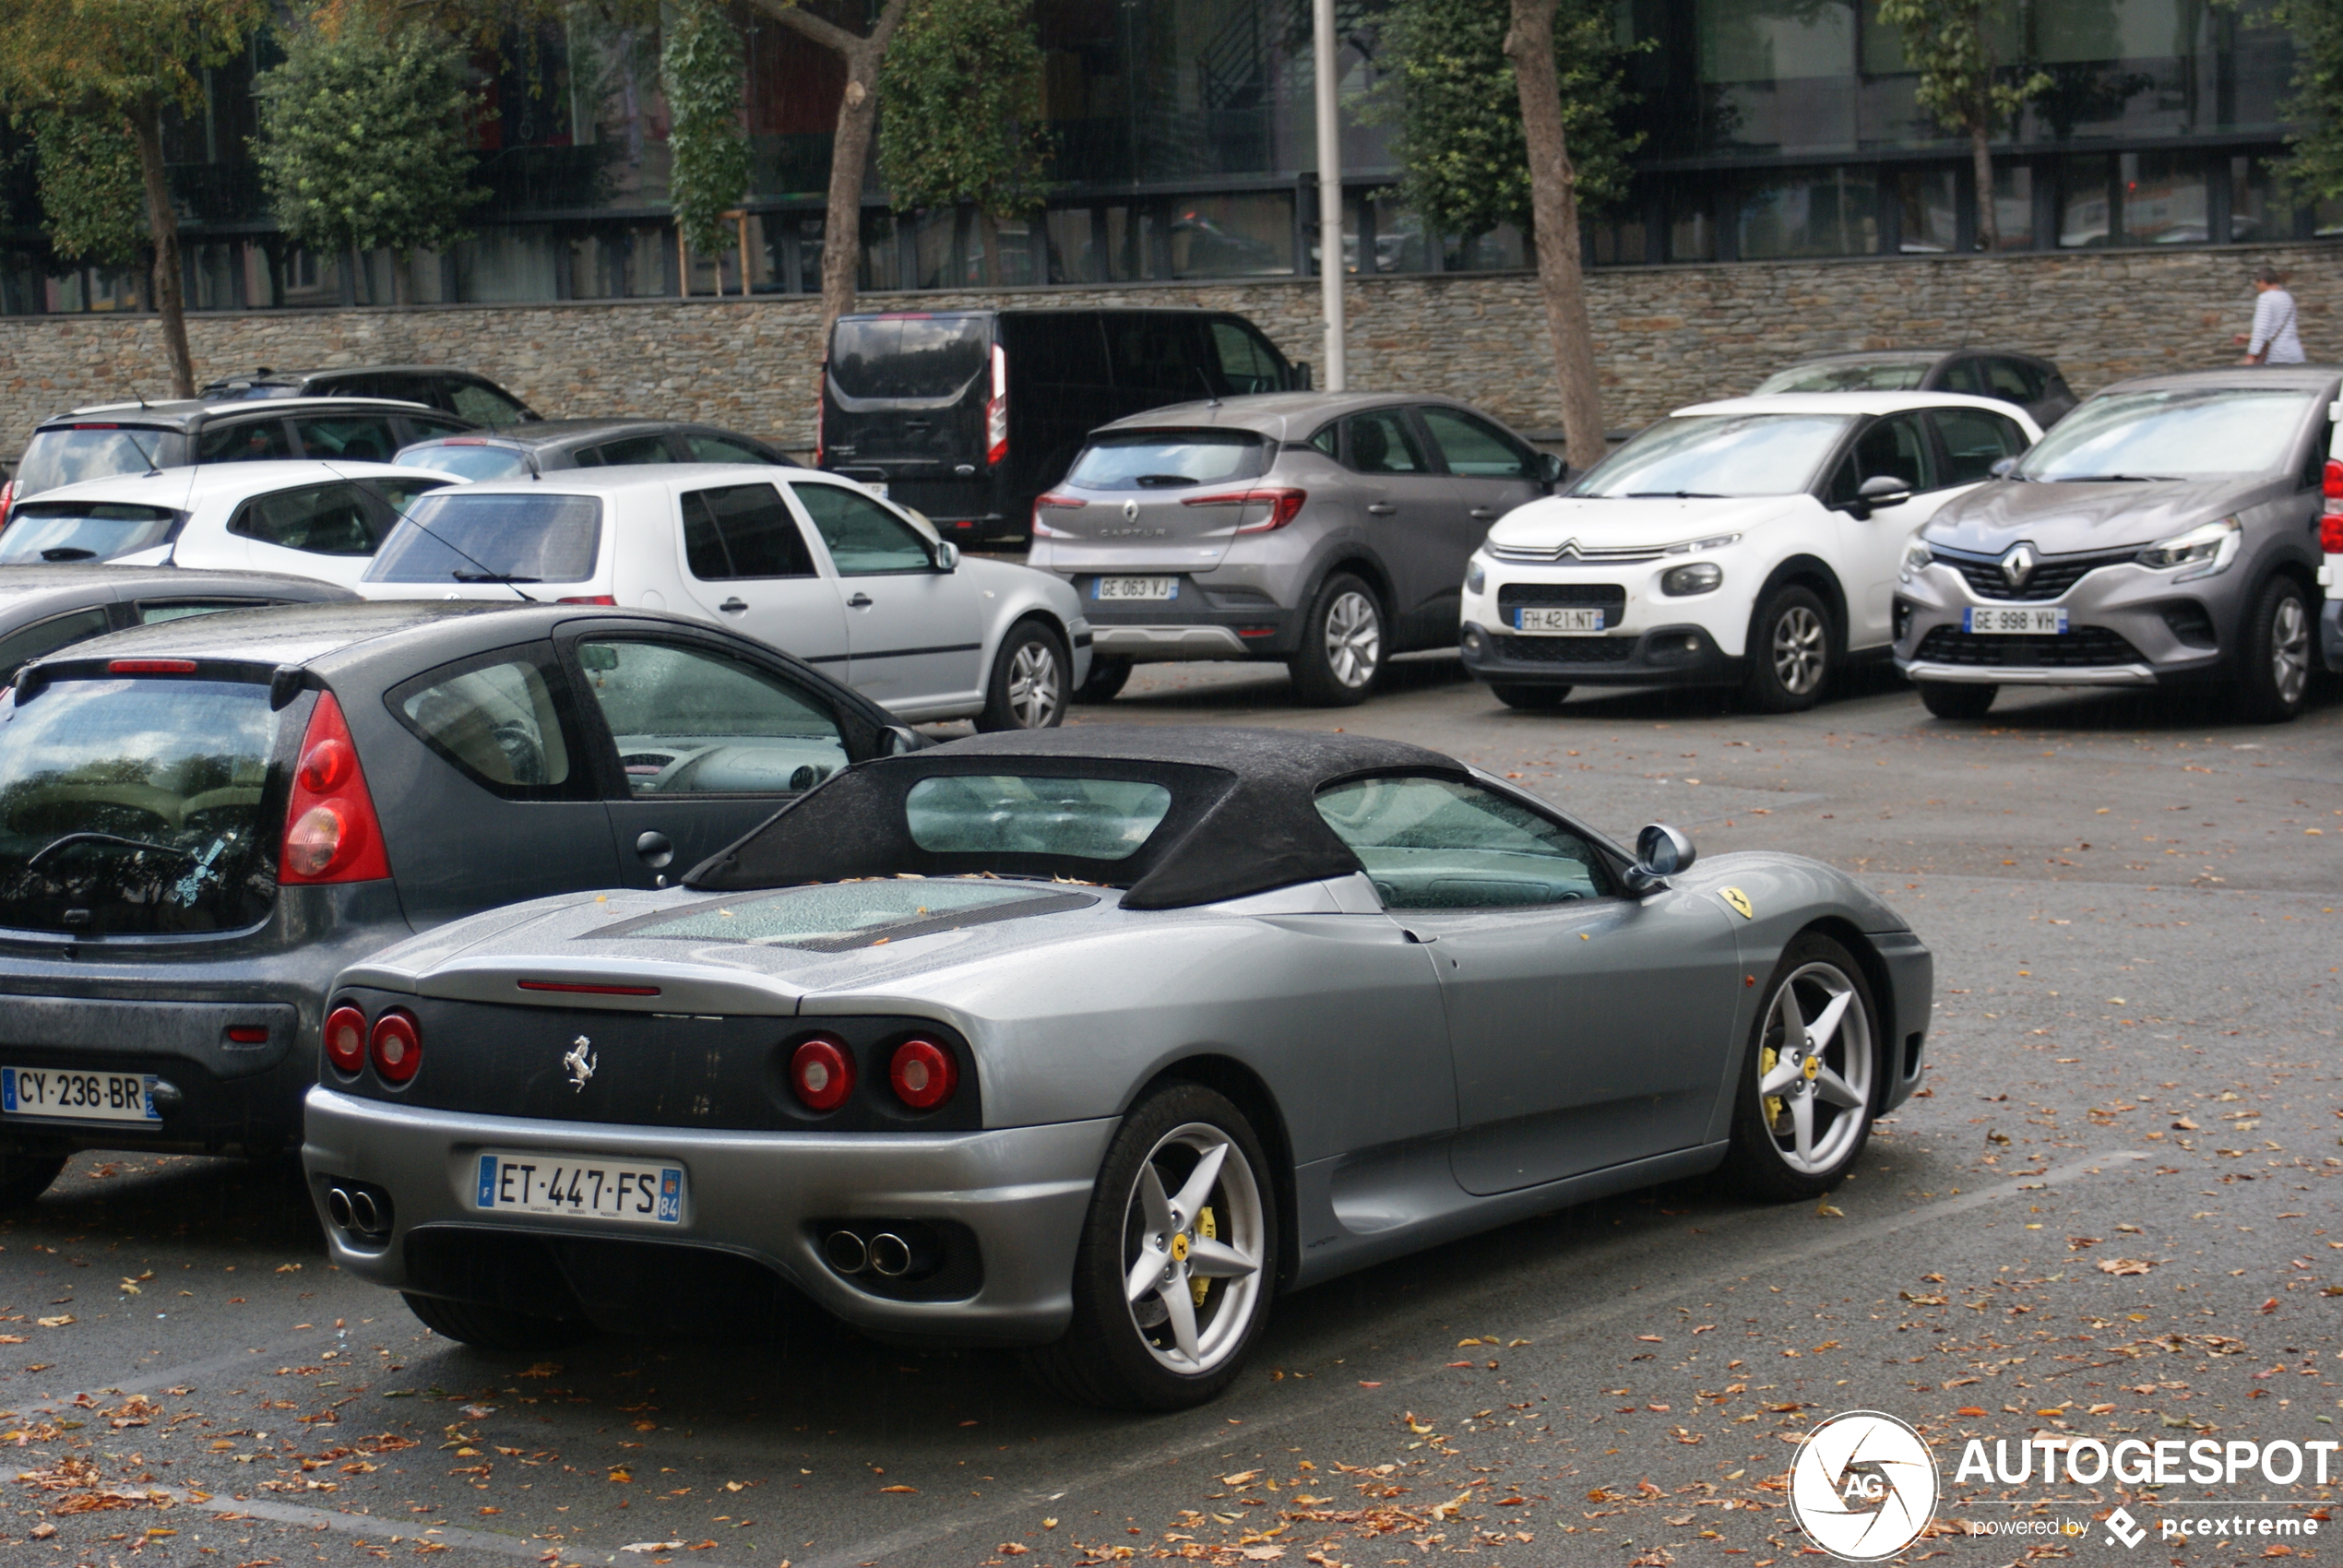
{"x":1380,"y":508}
{"x":1421,"y":938}
{"x":656,"y":849}
{"x":732,"y":606}
{"x":1482,"y":511}
{"x":859,"y":601}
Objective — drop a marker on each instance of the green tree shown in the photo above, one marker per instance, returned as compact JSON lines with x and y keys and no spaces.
{"x":91,"y":191}
{"x":1962,"y":83}
{"x":962,"y":85}
{"x":700,"y":70}
{"x":362,"y":138}
{"x":2314,"y":166}
{"x":126,"y":60}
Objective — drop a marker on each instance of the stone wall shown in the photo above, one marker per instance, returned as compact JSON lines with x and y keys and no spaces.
{"x":1665,"y":336}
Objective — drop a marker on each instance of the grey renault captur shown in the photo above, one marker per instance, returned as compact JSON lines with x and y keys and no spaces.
{"x":2165,"y":533}
{"x":202,"y":821}
{"x":1326,"y":530}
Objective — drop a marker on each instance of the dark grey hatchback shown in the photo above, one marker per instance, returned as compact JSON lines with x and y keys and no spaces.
{"x":202,"y":822}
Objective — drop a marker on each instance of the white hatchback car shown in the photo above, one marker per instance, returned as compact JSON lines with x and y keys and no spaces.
{"x":809,"y":563}
{"x":306,"y":517}
{"x":1752,"y":543}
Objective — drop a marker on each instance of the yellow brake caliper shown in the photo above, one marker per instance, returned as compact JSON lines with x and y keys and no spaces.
{"x":1200,"y":1287}
{"x":1766,"y":1057}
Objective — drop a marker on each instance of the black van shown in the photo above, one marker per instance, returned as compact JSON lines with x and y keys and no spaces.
{"x":968,"y":415}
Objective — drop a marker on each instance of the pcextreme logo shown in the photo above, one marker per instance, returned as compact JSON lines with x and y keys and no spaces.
{"x":1863,"y":1486}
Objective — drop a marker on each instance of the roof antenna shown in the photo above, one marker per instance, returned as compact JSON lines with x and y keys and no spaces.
{"x":1212,"y":396}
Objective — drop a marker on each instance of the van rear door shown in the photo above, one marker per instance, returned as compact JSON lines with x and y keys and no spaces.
{"x":904,"y":399}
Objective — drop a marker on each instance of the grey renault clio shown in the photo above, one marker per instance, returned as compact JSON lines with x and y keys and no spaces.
{"x":2164,"y":533}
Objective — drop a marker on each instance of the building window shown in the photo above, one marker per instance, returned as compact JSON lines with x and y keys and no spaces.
{"x":2013,"y":205}
{"x":2163,"y":198}
{"x":1503,"y":249}
{"x":1926,"y":204}
{"x":1818,"y":212}
{"x":1234,"y":236}
{"x":2085,"y":201}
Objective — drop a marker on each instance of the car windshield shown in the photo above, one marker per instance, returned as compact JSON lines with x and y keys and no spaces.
{"x":1847,"y":376}
{"x":1147,"y":460}
{"x":51,"y":531}
{"x":1719,"y":455}
{"x":70,"y":453}
{"x":2187,"y":433}
{"x":457,"y":536}
{"x":133,"y":807}
{"x":891,"y":357}
{"x":1091,"y":819}
{"x":466,"y":459}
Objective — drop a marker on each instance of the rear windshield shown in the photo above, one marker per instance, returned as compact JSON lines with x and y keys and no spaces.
{"x":1094,"y":819}
{"x":70,"y":453}
{"x":470,"y":459}
{"x":1152,"y":459}
{"x":133,"y":807}
{"x":1857,"y":375}
{"x":456,"y":536}
{"x":82,"y":530}
{"x":2186,"y":433}
{"x":923,"y":356}
{"x":1718,"y":455}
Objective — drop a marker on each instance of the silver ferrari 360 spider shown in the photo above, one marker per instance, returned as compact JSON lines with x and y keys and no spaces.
{"x":1092,"y":1042}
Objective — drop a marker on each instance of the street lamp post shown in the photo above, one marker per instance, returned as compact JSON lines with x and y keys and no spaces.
{"x":1329,"y":188}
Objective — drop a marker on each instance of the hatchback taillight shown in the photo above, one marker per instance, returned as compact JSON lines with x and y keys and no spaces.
{"x":345,"y":1038}
{"x":1284,"y":504}
{"x":2331,"y":533}
{"x":396,"y":1046}
{"x":1053,"y":502}
{"x":996,"y":411}
{"x":821,"y":1073}
{"x":2334,"y":485}
{"x":331,"y":831}
{"x":923,"y":1074}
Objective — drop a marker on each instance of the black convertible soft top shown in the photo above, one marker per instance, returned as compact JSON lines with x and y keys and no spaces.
{"x":1241,"y":821}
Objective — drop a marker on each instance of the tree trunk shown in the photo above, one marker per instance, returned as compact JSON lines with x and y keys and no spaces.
{"x":162,"y":224}
{"x":1989,"y":225}
{"x":1554,"y":204}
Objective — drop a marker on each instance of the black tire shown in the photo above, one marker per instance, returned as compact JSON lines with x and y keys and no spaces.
{"x":1791,"y":651}
{"x":1347,"y":615}
{"x":1105,"y":681}
{"x":1107,"y":1358}
{"x":2277,"y":652}
{"x":24,"y":1177}
{"x":1530,"y":699}
{"x":495,"y":1328}
{"x":1857,"y":1058}
{"x":1031,"y":675}
{"x":1956,"y":699}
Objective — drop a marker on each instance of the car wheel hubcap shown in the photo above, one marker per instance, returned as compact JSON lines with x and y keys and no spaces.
{"x":1033,"y":686}
{"x":1354,"y":638}
{"x":2290,"y":650}
{"x":1799,"y":649}
{"x":1814,"y":1069}
{"x":1192,"y":1243}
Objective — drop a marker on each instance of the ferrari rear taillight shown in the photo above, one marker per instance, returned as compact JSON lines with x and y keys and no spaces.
{"x":331,"y":831}
{"x":396,"y":1046}
{"x":923,"y":1074}
{"x":345,"y":1038}
{"x":996,"y":411}
{"x":1284,"y":504}
{"x":821,"y":1073}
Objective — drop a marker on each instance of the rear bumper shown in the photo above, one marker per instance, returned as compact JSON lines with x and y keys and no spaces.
{"x":1665,"y":656}
{"x":1021,"y":1193}
{"x":1155,"y":636}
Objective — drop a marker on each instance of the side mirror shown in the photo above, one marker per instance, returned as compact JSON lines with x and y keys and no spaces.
{"x":1660,"y":852}
{"x":1885,"y":489}
{"x":947,"y":556}
{"x":1551,"y":469}
{"x":2002,"y":467}
{"x":902,"y":740}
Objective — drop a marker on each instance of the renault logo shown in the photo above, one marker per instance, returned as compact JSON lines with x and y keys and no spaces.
{"x":1130,"y":511}
{"x":2018,"y":565}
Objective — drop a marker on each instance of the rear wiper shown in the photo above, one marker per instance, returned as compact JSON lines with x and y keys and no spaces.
{"x":1675,"y":495}
{"x":112,"y":839}
{"x":1154,"y":480}
{"x":506,"y":577}
{"x":67,"y":552}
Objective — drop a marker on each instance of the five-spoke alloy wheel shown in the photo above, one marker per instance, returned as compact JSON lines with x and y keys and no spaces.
{"x":1030,"y":677}
{"x":1810,"y":1083}
{"x":1790,"y":652}
{"x":1341,"y":652}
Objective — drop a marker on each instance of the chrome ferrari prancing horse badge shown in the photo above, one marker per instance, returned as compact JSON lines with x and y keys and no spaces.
{"x":580,"y":1062}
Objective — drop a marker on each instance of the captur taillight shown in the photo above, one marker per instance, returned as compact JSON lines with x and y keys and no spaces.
{"x":1053,"y":502}
{"x":821,"y":1073}
{"x":396,"y":1046}
{"x":922,"y":1073}
{"x":345,"y":1038}
{"x":331,"y":831}
{"x":1284,"y":504}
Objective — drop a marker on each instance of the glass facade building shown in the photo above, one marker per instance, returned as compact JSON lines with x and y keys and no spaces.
{"x":1771,"y":129}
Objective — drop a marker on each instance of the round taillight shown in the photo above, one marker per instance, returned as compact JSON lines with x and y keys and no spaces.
{"x":923,"y":1074}
{"x":325,"y":767}
{"x":345,"y":1038}
{"x":822,"y":1073}
{"x":397,"y":1048}
{"x":311,"y":843}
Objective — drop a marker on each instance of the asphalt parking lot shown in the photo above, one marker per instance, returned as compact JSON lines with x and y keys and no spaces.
{"x":2109,"y":1213}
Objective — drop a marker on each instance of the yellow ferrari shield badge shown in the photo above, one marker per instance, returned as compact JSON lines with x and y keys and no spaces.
{"x":1740,"y":901}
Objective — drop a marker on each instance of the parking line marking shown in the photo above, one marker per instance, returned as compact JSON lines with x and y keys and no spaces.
{"x":172,"y":1376}
{"x":367,"y":1525}
{"x":1590,"y":1316}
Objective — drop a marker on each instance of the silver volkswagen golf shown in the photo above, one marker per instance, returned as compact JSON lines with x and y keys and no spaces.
{"x":2165,"y":533}
{"x":1326,"y":530}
